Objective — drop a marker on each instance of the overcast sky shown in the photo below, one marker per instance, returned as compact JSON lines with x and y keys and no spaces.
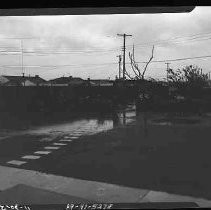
{"x":87,"y":46}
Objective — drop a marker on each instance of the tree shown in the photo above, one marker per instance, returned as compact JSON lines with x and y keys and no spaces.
{"x":137,"y":71}
{"x":190,"y":76}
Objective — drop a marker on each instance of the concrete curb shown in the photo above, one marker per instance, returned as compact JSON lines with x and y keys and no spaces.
{"x":89,"y":190}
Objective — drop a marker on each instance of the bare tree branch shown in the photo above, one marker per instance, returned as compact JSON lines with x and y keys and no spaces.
{"x":135,"y":64}
{"x":128,"y":75}
{"x":132,"y":64}
{"x":148,"y":62}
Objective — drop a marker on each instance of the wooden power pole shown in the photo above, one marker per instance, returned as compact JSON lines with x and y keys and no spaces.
{"x":124,"y":48}
{"x":167,"y":68}
{"x":120,"y":58}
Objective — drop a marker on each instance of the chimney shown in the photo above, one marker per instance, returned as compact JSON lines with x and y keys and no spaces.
{"x":23,"y":74}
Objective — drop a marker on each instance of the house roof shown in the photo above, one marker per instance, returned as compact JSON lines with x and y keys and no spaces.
{"x":65,"y":80}
{"x":20,"y":79}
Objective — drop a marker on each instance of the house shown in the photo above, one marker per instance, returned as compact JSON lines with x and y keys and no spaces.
{"x":7,"y":80}
{"x":75,"y":81}
{"x":100,"y":82}
{"x":66,"y":81}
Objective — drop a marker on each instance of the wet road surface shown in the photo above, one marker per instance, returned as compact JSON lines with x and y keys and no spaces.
{"x":155,"y":153}
{"x":20,"y":147}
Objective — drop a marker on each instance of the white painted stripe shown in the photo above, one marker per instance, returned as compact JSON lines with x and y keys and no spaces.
{"x":74,"y":137}
{"x":51,"y":147}
{"x":68,"y":140}
{"x":31,"y":157}
{"x":47,"y":139}
{"x":71,"y":137}
{"x":43,"y":152}
{"x":59,"y":144}
{"x":67,"y":137}
{"x":17,"y":162}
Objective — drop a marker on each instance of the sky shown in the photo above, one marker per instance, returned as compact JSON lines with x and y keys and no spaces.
{"x":87,"y":45}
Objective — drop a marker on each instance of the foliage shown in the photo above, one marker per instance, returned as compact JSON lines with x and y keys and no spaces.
{"x":190,"y":76}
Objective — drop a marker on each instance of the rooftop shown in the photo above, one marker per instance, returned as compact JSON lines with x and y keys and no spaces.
{"x":34,"y":79}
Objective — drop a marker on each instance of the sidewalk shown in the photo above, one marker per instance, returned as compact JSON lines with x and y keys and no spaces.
{"x":81,"y":190}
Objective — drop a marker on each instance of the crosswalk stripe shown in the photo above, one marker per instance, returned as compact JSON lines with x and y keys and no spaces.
{"x":67,"y":137}
{"x":59,"y":144}
{"x":31,"y":157}
{"x":51,"y":147}
{"x":42,"y":152}
{"x":16,"y":162}
{"x":68,"y":140}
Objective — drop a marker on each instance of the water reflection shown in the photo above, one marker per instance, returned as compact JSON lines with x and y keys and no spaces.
{"x":145,"y":125}
{"x":116,"y":119}
{"x":85,"y":125}
{"x":124,"y":118}
{"x":144,"y":119}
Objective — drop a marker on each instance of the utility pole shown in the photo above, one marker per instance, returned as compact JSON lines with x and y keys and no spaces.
{"x":120,"y":58}
{"x":22,"y":39}
{"x":22,"y":57}
{"x":167,"y":65}
{"x":208,"y":74}
{"x":22,"y":50}
{"x":124,"y":48}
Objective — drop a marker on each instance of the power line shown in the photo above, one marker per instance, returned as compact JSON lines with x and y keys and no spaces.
{"x":174,"y":38}
{"x":191,"y":37}
{"x":104,"y":64}
{"x":180,"y":59}
{"x":177,"y":59}
{"x":43,"y":53}
{"x":64,"y":65}
{"x":51,"y":53}
{"x":70,"y":51}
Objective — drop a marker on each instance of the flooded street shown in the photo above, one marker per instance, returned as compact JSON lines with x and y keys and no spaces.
{"x":81,"y":126}
{"x":152,"y":153}
{"x":20,"y":146}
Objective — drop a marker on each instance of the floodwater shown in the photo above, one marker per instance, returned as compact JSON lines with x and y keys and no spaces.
{"x":82,"y":126}
{"x":171,"y":122}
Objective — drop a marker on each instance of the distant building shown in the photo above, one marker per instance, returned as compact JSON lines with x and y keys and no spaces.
{"x":6,"y":80}
{"x":66,"y":81}
{"x":125,"y":83}
{"x":76,"y":81}
{"x":100,"y":82}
